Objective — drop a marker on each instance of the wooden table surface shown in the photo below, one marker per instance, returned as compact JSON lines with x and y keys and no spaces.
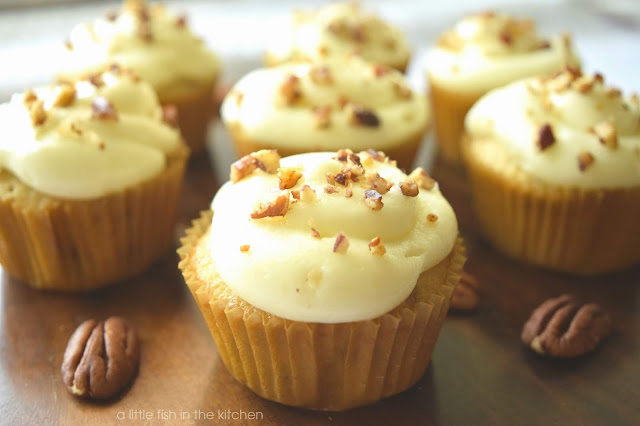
{"x":480,"y":373}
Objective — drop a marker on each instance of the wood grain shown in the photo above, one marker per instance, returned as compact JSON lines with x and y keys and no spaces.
{"x":480,"y":373}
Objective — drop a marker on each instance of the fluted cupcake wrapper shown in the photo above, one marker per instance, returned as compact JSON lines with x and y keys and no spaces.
{"x":582,"y":231}
{"x":324,"y":366}
{"x":449,"y":111}
{"x":404,"y":153}
{"x":72,"y":245}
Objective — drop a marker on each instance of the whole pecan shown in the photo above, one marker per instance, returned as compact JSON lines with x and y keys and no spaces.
{"x":465,"y":295}
{"x":101,"y":358}
{"x":566,"y":327}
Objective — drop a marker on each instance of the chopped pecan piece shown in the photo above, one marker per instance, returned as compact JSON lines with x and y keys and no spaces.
{"x":422,"y":178}
{"x":361,"y":116}
{"x":613,"y":92}
{"x":322,"y":116}
{"x":331,"y":189}
{"x":465,"y":295}
{"x":585,"y":160}
{"x":245,"y":248}
{"x":432,"y":217}
{"x":342,"y":155}
{"x":348,"y":193}
{"x":320,"y":75}
{"x":402,"y":91}
{"x":606,"y":134}
{"x":376,"y":247}
{"x":64,"y":95}
{"x":373,"y":199}
{"x":37,"y":113}
{"x":277,"y":207}
{"x":307,"y":194}
{"x":379,"y":70}
{"x":377,"y":183}
{"x":29,"y":97}
{"x":566,"y":327}
{"x":101,"y":358}
{"x":505,"y":38}
{"x":269,"y":158}
{"x":342,"y":243}
{"x":289,"y":177}
{"x":239,"y":96}
{"x":244,"y":167}
{"x":545,"y":137}
{"x":584,"y":84}
{"x":101,"y":109}
{"x":111,"y":15}
{"x":170,"y":115}
{"x":290,"y":89}
{"x":315,"y":233}
{"x":409,"y":188}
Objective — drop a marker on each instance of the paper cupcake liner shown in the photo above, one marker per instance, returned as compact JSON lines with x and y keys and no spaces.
{"x":71,"y":245}
{"x":449,"y":110}
{"x":582,"y":231}
{"x":195,"y":112}
{"x":404,"y":153}
{"x":315,"y":365}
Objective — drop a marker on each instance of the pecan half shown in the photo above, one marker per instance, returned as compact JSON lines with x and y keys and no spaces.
{"x":566,"y":327}
{"x":101,"y":358}
{"x":465,"y":295}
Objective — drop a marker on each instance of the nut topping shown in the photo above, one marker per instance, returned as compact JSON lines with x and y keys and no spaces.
{"x":290,"y":89}
{"x":409,"y":188}
{"x":29,"y":96}
{"x":170,"y":115}
{"x":432,"y":217}
{"x":101,"y":358}
{"x":244,"y":167}
{"x":545,"y":137}
{"x":465,"y":295}
{"x":378,"y":183}
{"x":361,"y":116}
{"x":322,"y":116}
{"x":307,"y":194}
{"x":585,"y":160}
{"x":606,"y":134}
{"x":376,"y":247}
{"x":379,"y":70}
{"x":64,"y":95}
{"x":315,"y":233}
{"x":373,"y":199}
{"x":36,"y":112}
{"x":402,"y":91}
{"x":269,"y":158}
{"x":566,"y":327}
{"x":101,"y":109}
{"x":342,"y":243}
{"x":422,"y":178}
{"x":289,"y":177}
{"x":273,"y":208}
{"x":320,"y":75}
{"x":245,"y":248}
{"x":331,"y":189}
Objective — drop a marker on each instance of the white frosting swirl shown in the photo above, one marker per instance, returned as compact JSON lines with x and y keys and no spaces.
{"x":289,"y":273}
{"x":73,"y":155}
{"x":489,"y":50}
{"x":153,"y":42}
{"x":585,"y":117}
{"x":258,"y":106}
{"x":341,"y":29}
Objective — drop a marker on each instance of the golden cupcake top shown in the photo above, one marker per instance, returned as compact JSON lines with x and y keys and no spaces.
{"x":341,"y":29}
{"x":489,"y":49}
{"x":568,"y":129}
{"x":147,"y":38}
{"x":330,"y":104}
{"x":327,"y":237}
{"x":87,"y":138}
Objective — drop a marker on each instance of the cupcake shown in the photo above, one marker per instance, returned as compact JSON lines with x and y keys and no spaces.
{"x":324,"y":278}
{"x":161,"y":49}
{"x":483,"y":52}
{"x":90,"y":177}
{"x":337,"y":30}
{"x":325,"y":106}
{"x":554,"y":165}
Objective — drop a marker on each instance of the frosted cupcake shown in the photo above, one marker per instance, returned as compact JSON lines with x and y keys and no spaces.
{"x":161,"y":49}
{"x":337,"y":30}
{"x":325,"y":277}
{"x":325,"y":106}
{"x":90,"y":177}
{"x":554,"y":165}
{"x":480,"y":53}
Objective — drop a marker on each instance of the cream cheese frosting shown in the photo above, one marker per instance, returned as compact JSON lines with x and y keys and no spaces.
{"x":322,"y":255}
{"x":570,"y":129}
{"x":149,"y":39}
{"x":326,"y":104}
{"x":86,"y":139}
{"x":341,"y":29}
{"x":489,"y":50}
